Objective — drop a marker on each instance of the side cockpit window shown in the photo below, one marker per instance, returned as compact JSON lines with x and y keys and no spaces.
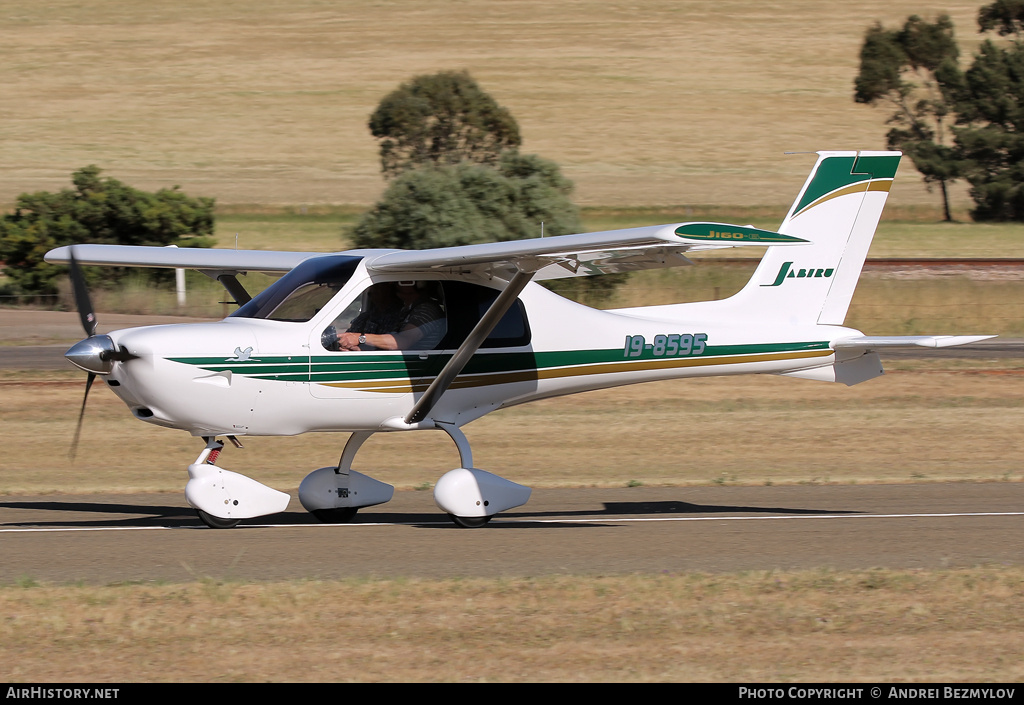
{"x":402,"y":315}
{"x":422,"y":315}
{"x":467,"y":303}
{"x":301,"y":293}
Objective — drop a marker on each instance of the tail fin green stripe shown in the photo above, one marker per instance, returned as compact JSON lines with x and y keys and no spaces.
{"x":838,"y":172}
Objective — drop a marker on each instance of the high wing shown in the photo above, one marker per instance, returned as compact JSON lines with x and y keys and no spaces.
{"x":584,"y":254}
{"x":203,"y":259}
{"x":548,"y":258}
{"x":222,"y":265}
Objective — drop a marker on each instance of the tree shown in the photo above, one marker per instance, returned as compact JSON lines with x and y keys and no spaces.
{"x":466,"y":203}
{"x":441,"y":118}
{"x":99,"y":211}
{"x":991,"y":139}
{"x":457,"y":178}
{"x":1004,"y":16}
{"x":990,"y":103}
{"x":914,"y":69}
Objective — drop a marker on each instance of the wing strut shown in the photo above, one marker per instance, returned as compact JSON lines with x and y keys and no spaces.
{"x":229,"y":280}
{"x":235,"y":288}
{"x":473,"y":341}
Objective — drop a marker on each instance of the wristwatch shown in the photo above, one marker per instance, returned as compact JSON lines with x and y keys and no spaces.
{"x":362,"y":338}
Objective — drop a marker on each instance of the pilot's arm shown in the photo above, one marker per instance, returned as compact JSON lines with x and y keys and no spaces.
{"x":423,"y":330}
{"x":405,"y":339}
{"x":379,"y":341}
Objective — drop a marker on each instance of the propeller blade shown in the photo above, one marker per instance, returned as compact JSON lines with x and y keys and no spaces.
{"x":82,"y":301}
{"x":81,"y":415}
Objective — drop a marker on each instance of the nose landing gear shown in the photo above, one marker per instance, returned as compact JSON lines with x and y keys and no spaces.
{"x":223,"y":498}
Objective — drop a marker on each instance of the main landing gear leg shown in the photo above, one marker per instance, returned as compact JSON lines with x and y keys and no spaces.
{"x":223,"y":498}
{"x":334,"y":495}
{"x":471,"y":496}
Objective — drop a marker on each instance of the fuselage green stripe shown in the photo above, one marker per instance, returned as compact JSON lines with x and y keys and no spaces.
{"x":392,"y":368}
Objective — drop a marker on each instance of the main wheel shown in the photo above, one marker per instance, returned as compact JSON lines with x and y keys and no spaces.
{"x":216,"y":522}
{"x":336,"y":515}
{"x":469,"y":522}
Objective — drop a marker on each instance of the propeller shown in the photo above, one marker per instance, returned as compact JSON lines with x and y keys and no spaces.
{"x":73,"y":451}
{"x":82,"y":301}
{"x":88,"y":317}
{"x":96,"y":353}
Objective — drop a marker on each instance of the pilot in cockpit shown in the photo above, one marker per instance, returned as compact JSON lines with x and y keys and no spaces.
{"x":402,"y":316}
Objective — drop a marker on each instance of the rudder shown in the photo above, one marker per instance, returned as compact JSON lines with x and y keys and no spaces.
{"x":837,"y":211}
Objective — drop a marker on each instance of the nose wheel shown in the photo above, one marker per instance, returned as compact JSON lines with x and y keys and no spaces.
{"x":216,"y":522}
{"x":469,"y":522}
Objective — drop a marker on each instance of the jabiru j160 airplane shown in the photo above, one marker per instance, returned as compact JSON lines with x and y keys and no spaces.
{"x":370,"y":341}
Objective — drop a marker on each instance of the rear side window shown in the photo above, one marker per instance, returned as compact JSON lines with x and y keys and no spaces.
{"x":467,"y":303}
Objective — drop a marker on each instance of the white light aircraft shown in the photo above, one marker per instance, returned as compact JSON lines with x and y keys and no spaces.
{"x":369,"y":341}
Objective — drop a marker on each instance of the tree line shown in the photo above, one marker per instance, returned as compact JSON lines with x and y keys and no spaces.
{"x":97,"y":210}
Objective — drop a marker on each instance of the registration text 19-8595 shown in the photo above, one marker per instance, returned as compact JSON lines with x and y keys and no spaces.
{"x":675,"y":345}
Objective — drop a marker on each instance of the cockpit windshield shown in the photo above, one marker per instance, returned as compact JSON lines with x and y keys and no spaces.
{"x":302,"y":292}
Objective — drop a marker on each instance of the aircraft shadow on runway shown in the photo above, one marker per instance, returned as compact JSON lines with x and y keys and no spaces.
{"x":668,"y":507}
{"x":114,"y":514}
{"x":148,"y":515}
{"x":108,"y":514}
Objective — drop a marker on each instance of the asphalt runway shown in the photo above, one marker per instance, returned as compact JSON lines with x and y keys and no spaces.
{"x":107,"y":539}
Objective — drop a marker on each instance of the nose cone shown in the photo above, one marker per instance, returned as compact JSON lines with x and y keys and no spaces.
{"x":94,"y":354}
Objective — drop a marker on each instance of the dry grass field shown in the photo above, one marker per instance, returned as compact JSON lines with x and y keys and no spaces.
{"x":870,"y":626}
{"x":265,"y":102}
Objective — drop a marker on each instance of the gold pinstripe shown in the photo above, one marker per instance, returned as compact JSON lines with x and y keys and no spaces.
{"x":873,"y":185}
{"x":404,"y":386}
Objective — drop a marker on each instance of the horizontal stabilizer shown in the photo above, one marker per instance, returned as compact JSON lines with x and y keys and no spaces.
{"x":880,"y":342}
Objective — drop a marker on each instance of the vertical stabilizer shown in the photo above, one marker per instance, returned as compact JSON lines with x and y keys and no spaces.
{"x":837,"y":211}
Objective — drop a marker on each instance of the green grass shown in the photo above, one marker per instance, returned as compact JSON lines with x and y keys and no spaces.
{"x":949,"y":305}
{"x":294,"y":228}
{"x":957,"y":240}
{"x":882,"y":305}
{"x":905,"y":232}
